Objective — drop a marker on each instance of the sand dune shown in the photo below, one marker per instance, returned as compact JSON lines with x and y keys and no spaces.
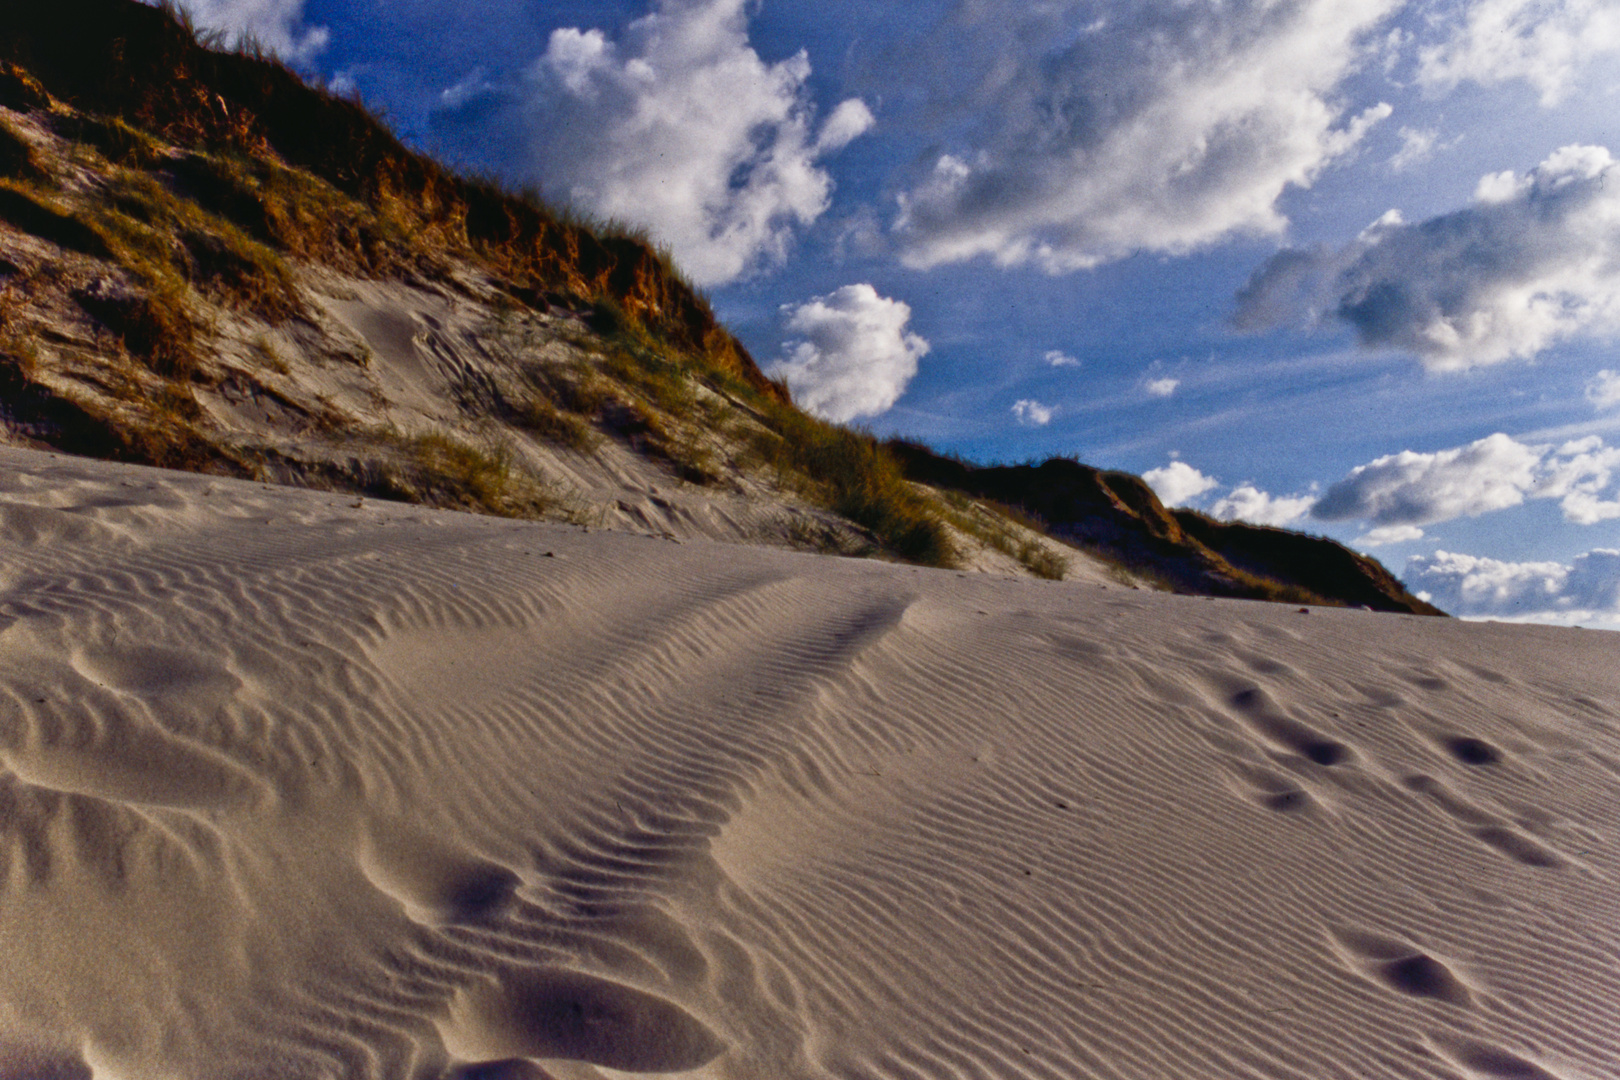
{"x":293,"y":787}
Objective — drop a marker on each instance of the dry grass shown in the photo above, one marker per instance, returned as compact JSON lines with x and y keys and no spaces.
{"x":38,"y":211}
{"x":541,"y":416}
{"x":18,"y":160}
{"x":993,"y":525}
{"x":852,"y":475}
{"x":358,"y":188}
{"x":452,"y":470}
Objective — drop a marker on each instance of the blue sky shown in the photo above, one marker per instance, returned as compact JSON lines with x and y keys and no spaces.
{"x":1352,"y":266}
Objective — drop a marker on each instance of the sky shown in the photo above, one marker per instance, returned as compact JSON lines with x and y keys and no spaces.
{"x":1347,"y":266}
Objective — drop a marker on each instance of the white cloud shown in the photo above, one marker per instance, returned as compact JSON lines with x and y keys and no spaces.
{"x":1248,"y":503}
{"x":1586,"y":589}
{"x":1578,"y":474}
{"x":848,"y":122}
{"x":1604,"y":389}
{"x":1493,"y":473}
{"x":681,"y":127}
{"x":1161,"y":387}
{"x":1535,"y":260}
{"x":276,"y":24}
{"x":1058,"y":358}
{"x":1032,"y":413}
{"x":1086,"y":130}
{"x":1178,"y":483}
{"x":851,"y":354}
{"x":1543,"y":42}
{"x":1390,"y":534}
{"x":1416,"y":148}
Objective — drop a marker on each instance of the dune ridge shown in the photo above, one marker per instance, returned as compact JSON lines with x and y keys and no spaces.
{"x":299,"y":785}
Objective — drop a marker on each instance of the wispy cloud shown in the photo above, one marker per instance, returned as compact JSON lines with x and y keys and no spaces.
{"x":849,"y":354}
{"x":1390,"y":534}
{"x":1161,"y":387}
{"x":1059,"y":359}
{"x":1604,"y":389}
{"x":1543,"y":42}
{"x":1417,"y":146}
{"x":1534,"y":260}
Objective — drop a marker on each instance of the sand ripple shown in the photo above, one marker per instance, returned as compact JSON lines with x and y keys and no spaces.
{"x":290,"y":788}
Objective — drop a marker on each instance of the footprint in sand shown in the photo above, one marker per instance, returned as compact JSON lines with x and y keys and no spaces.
{"x":19,"y":1062}
{"x":1260,"y":712}
{"x":1488,"y":1061}
{"x":1402,"y":967}
{"x":1472,"y":751}
{"x":1491,"y":830}
{"x":552,"y":1013}
{"x":1272,"y":790}
{"x":509,"y":1069}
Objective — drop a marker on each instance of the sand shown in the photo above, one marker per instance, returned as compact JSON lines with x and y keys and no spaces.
{"x":298,"y":785}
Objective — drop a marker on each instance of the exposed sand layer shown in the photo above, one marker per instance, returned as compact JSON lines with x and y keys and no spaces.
{"x":291,"y":787}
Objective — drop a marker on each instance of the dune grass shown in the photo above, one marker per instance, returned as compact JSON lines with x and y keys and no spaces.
{"x":850,"y":473}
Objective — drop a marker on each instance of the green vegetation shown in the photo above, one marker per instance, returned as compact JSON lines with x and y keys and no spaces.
{"x":852,"y":475}
{"x":453,"y":470}
{"x":994,"y":526}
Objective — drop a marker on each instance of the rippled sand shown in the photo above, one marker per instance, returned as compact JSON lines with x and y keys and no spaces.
{"x":291,"y":787}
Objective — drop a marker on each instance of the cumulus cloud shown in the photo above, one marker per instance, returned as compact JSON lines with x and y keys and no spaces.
{"x":1493,"y":473}
{"x":1604,"y":390}
{"x":1543,"y":42}
{"x":1058,"y":358}
{"x":1178,"y":483}
{"x":1161,"y":387}
{"x":850,"y":355}
{"x":1075,"y":132}
{"x":1032,"y":413}
{"x":276,"y":24}
{"x":1534,"y":260}
{"x":1468,"y":585}
{"x":1248,"y":503}
{"x":681,"y":127}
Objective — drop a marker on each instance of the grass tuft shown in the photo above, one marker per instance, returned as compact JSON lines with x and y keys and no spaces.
{"x":155,"y":325}
{"x":17,"y":158}
{"x":35,"y":212}
{"x":20,"y":91}
{"x":854,"y":476}
{"x":541,"y":416}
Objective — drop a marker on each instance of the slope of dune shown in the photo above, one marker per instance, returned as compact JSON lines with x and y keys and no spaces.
{"x":208,"y":264}
{"x":296,"y":785}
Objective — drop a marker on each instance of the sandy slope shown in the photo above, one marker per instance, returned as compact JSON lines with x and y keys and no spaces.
{"x":295,"y":788}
